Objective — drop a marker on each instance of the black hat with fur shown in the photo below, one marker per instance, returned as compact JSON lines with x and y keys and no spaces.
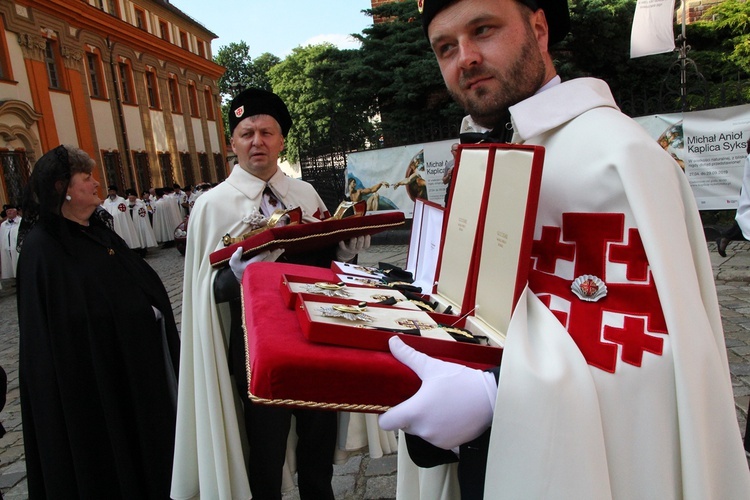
{"x":252,"y":101}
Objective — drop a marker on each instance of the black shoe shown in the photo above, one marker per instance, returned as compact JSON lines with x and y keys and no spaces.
{"x":721,"y":245}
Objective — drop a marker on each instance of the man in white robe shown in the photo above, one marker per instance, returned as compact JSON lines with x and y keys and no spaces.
{"x":138,"y":212}
{"x":117,"y":207}
{"x":164,"y":225}
{"x":624,"y":394}
{"x":209,"y":457}
{"x":8,"y":243}
{"x":174,"y":199}
{"x":148,"y":203}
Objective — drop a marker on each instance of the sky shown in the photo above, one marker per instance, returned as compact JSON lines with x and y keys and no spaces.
{"x":278,"y":26}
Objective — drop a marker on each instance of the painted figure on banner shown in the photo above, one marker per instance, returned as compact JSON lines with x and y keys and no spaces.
{"x":414,"y":179}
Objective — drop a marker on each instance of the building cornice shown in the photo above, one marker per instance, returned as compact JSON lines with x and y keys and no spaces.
{"x":81,"y":15}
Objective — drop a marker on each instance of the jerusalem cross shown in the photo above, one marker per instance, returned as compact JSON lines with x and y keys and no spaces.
{"x":590,"y":240}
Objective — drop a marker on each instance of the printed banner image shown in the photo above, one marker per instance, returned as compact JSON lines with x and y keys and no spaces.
{"x":393,"y":178}
{"x":710,"y":146}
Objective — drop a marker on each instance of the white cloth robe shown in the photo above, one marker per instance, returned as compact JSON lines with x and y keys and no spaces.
{"x":565,"y":429}
{"x":8,"y":244}
{"x":743,"y":209}
{"x":143,"y":228}
{"x":666,"y":429}
{"x":164,"y":225}
{"x":123,"y":224}
{"x":208,"y":452}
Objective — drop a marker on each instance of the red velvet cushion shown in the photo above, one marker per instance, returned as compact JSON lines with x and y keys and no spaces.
{"x":284,"y":368}
{"x":303,"y":238}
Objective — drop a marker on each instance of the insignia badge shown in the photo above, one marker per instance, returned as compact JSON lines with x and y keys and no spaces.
{"x":121,"y":207}
{"x":589,"y":288}
{"x":420,"y":5}
{"x":142,"y":212}
{"x":413,"y":323}
{"x":350,"y":313}
{"x":327,"y":289}
{"x":239,"y":111}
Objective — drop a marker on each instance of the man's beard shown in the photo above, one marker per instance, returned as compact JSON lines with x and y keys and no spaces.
{"x":518,"y":81}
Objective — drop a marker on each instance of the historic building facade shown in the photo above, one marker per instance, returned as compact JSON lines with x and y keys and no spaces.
{"x":131,"y":82}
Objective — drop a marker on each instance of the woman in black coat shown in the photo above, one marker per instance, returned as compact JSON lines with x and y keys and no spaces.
{"x":98,"y":346}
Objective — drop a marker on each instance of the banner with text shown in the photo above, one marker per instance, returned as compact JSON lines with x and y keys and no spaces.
{"x":392,"y":178}
{"x":710,"y":146}
{"x":652,"y":28}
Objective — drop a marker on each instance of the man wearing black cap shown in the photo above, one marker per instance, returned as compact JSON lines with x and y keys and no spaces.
{"x":614,"y":380}
{"x":117,"y":206}
{"x":208,"y":456}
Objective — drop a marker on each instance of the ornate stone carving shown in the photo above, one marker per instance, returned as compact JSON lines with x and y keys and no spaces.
{"x":72,"y":57}
{"x":32,"y":46}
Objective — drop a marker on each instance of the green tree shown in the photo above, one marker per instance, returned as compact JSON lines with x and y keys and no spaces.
{"x":241,"y":72}
{"x":397,"y":66}
{"x":237,"y":62}
{"x":329,"y":114}
{"x":599,"y":46}
{"x":721,"y":43}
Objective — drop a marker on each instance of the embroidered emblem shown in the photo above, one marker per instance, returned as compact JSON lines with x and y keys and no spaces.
{"x":121,"y":207}
{"x":589,"y":288}
{"x":239,"y":111}
{"x":591,"y":242}
{"x":142,"y":212}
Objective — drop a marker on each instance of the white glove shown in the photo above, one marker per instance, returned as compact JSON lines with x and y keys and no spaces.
{"x":348,"y":250}
{"x":453,"y":406}
{"x":238,"y":264}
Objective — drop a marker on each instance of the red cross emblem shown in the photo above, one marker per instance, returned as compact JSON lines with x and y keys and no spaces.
{"x":142,"y":212}
{"x":589,"y":287}
{"x":590,"y":241}
{"x":121,"y":207}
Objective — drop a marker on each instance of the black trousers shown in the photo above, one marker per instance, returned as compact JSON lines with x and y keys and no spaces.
{"x":267,"y":429}
{"x":734,"y":233}
{"x":472,"y":464}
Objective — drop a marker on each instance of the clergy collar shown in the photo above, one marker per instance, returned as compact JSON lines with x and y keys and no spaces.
{"x":557,"y":105}
{"x":252,"y":186}
{"x":469,"y":125}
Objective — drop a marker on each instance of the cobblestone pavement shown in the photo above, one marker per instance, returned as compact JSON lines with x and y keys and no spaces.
{"x":361,"y":477}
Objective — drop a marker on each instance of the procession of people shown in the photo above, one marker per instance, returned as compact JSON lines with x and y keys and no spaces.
{"x":621,"y":393}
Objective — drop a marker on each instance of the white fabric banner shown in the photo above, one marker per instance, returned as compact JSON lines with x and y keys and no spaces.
{"x":652,"y":31}
{"x":710,"y":146}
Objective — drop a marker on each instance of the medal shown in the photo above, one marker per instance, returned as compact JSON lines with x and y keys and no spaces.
{"x":327,"y":289}
{"x":347,"y":312}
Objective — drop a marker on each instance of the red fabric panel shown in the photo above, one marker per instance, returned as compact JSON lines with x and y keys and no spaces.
{"x":303,"y":238}
{"x":284,"y":365}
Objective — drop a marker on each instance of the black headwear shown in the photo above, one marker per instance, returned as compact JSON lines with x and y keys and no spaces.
{"x":43,"y":195}
{"x":556,"y":12}
{"x":251,"y":102}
